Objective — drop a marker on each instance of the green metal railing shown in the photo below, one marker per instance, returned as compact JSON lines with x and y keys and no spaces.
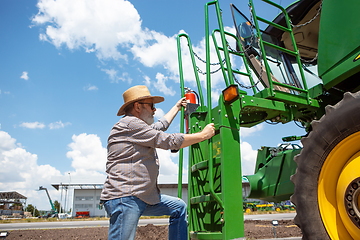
{"x":293,"y":53}
{"x":229,"y":69}
{"x":181,"y":151}
{"x":208,"y":83}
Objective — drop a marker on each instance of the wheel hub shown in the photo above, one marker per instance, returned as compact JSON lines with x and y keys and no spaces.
{"x":347,"y":194}
{"x":352,"y":201}
{"x":339,"y":190}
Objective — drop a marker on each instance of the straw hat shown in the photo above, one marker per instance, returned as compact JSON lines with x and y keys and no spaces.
{"x":135,"y":94}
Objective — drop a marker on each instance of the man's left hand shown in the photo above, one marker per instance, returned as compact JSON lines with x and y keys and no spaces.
{"x":181,"y":102}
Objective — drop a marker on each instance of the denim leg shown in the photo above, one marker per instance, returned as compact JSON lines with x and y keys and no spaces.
{"x":124,"y":216}
{"x":176,"y":209}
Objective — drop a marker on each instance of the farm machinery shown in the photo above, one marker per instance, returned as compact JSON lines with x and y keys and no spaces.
{"x":302,"y":66}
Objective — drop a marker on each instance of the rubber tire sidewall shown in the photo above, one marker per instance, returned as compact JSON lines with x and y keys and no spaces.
{"x":339,"y":122}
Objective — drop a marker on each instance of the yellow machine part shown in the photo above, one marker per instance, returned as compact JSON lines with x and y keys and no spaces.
{"x":341,"y":168}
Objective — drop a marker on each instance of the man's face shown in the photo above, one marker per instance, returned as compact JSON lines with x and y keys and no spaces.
{"x":147,"y":113}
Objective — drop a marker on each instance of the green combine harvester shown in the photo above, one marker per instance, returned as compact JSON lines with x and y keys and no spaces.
{"x":303,"y":66}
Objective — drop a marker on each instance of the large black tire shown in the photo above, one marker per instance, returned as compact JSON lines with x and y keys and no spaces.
{"x":339,"y":125}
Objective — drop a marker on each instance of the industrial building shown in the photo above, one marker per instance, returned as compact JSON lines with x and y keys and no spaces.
{"x":9,"y":204}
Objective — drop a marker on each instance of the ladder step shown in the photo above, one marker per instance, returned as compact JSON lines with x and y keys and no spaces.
{"x":205,"y":235}
{"x":203,"y":198}
{"x":204,"y":164}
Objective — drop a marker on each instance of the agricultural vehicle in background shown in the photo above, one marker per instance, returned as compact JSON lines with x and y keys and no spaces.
{"x":303,"y":66}
{"x":53,"y":212}
{"x":249,"y":207}
{"x":252,"y":206}
{"x":287,"y":205}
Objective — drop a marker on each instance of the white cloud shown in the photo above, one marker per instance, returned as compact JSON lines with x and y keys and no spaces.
{"x":161,"y":85}
{"x":90,"y":50}
{"x":87,"y":153}
{"x":245,"y":132}
{"x":54,"y":125}
{"x":125,"y":77}
{"x":248,"y":158}
{"x":19,"y":171}
{"x":158,"y":50}
{"x":159,"y":113}
{"x":84,"y":176}
{"x":59,"y":124}
{"x":91,"y":88}
{"x":215,"y":94}
{"x":113,"y":75}
{"x":32,"y":125}
{"x":6,"y":141}
{"x":95,"y":25}
{"x":104,"y":27}
{"x":107,"y":27}
{"x":147,"y":81}
{"x":168,"y":169}
{"x":25,"y":76}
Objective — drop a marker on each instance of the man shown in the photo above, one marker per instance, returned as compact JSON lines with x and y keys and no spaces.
{"x":130,"y":189}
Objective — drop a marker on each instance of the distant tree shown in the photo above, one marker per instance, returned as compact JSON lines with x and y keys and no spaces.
{"x":57,"y":206}
{"x":30,"y":208}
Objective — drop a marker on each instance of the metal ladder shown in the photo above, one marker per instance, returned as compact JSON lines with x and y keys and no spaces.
{"x":215,"y":209}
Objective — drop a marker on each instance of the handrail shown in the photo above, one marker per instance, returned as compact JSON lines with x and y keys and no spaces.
{"x":295,"y":52}
{"x":241,"y":54}
{"x":181,"y":151}
{"x":208,"y":81}
{"x":193,"y":63}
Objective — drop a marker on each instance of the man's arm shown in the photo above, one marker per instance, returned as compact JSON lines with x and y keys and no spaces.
{"x":206,"y":133}
{"x":175,"y":109}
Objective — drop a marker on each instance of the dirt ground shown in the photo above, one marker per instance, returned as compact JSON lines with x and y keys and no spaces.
{"x":254,"y":229}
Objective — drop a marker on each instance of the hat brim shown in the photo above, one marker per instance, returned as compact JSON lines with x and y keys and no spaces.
{"x":156,"y":99}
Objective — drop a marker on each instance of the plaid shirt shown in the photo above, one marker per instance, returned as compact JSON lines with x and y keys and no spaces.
{"x":132,"y":163}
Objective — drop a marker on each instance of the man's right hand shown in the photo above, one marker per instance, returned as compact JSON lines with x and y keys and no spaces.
{"x":208,"y":131}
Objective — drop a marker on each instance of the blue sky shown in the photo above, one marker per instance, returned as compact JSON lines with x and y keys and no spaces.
{"x":64,"y":67}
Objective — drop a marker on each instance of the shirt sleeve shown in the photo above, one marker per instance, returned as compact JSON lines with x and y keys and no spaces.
{"x":150,"y":136}
{"x":162,"y":124}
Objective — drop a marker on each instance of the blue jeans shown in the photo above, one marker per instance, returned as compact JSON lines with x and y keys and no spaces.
{"x":125,"y":213}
